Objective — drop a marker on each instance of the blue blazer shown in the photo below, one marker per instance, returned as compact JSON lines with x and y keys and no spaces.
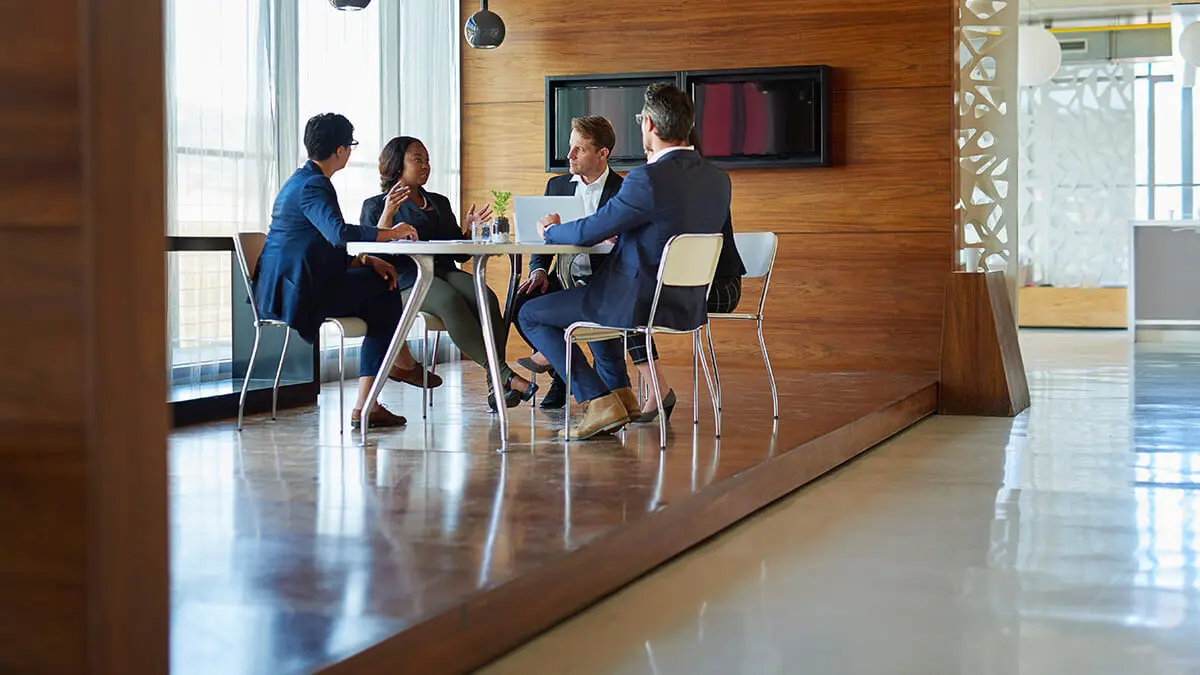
{"x":436,"y":224}
{"x":679,"y":194}
{"x":562,"y":186}
{"x":303,"y":263}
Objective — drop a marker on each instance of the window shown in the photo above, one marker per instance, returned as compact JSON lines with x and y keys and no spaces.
{"x":1166,"y":166}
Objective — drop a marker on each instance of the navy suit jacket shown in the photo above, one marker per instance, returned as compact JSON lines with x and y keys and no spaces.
{"x":679,"y":194}
{"x":563,"y":186}
{"x":304,"y":260}
{"x":437,"y":224}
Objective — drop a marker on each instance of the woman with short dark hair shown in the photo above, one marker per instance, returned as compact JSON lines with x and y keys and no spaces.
{"x":404,"y":170}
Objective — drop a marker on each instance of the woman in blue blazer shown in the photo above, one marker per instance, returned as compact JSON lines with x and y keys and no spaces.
{"x":304,"y":275}
{"x":404,"y":166}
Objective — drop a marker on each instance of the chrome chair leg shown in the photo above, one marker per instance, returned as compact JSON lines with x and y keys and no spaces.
{"x":249,"y":371}
{"x":341,"y":379}
{"x":567,"y":410}
{"x":695,"y":380}
{"x":712,"y":355}
{"x":714,"y":396}
{"x":770,"y":374}
{"x":424,"y":370}
{"x":279,"y":371}
{"x":437,"y":336}
{"x":662,"y":418}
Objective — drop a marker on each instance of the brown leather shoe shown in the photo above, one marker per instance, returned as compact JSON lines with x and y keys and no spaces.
{"x":380,"y":417}
{"x":414,"y":376}
{"x":629,"y":400}
{"x":603,"y":415}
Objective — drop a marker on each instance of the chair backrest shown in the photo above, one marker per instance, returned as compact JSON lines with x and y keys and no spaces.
{"x":249,"y":247}
{"x":757,"y":250}
{"x":689,"y":260}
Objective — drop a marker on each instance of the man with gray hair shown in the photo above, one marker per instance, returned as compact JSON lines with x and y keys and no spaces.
{"x":676,"y":192}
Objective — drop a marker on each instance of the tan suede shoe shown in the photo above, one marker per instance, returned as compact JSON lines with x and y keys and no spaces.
{"x":603,"y":415}
{"x":629,"y":400}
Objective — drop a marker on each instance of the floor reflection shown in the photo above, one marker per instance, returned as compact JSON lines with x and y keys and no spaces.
{"x":292,"y":546}
{"x":1062,"y":541}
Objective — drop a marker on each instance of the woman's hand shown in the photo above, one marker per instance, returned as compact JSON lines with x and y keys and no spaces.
{"x":391,"y":203}
{"x":383,"y":269}
{"x":473,"y":216}
{"x":401,"y":232}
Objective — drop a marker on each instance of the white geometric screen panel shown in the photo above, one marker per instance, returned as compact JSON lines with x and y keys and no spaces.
{"x":1077,"y":168}
{"x":986,"y":206}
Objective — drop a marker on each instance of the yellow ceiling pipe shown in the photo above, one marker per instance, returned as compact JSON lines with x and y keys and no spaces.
{"x":1105,"y":29}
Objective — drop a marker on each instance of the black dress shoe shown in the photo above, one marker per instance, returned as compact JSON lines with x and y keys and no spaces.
{"x":557,"y":396}
{"x":512,"y":399}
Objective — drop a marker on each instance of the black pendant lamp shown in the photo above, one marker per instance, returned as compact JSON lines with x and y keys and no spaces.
{"x":349,"y":5}
{"x":485,"y":29}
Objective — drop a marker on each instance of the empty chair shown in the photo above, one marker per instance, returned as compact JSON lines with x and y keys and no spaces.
{"x":688,"y":260}
{"x":757,"y":250}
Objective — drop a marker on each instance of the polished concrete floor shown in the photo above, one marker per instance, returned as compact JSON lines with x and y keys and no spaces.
{"x":1062,"y":541}
{"x":294,"y":547}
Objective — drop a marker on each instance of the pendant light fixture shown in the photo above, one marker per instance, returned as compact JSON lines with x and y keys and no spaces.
{"x":485,"y":29}
{"x":350,"y":5}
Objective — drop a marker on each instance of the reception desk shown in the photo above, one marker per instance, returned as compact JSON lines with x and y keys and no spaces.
{"x":1163,"y":278}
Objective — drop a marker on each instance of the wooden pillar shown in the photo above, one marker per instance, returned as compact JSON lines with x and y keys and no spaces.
{"x":83,"y":415}
{"x":982,"y":372}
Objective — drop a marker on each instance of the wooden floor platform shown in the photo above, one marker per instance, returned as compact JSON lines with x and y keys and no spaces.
{"x":294,"y":548}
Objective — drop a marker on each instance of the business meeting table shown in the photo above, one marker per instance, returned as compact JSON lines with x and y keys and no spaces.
{"x":422,"y":253}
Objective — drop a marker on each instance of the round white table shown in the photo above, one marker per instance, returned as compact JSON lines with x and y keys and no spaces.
{"x":422,"y":253}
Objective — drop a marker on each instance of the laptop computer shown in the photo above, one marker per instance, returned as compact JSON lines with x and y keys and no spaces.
{"x":529,"y":210}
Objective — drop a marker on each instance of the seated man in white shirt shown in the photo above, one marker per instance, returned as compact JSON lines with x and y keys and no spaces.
{"x":592,"y":141}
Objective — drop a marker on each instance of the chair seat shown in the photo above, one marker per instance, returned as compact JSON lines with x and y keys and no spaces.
{"x":741,"y":317}
{"x":352,"y":326}
{"x":432,"y":322}
{"x":592,"y":332}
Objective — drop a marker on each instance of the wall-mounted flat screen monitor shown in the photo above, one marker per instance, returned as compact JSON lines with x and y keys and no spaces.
{"x":763,"y":117}
{"x":615,"y":97}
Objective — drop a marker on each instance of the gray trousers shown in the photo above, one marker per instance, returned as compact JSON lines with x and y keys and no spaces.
{"x":451,"y":298}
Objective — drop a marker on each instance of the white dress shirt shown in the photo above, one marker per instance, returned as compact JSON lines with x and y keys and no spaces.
{"x":581,"y":266}
{"x":668,"y":150}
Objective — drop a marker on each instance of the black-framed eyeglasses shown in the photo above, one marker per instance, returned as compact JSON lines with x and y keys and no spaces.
{"x":352,"y":144}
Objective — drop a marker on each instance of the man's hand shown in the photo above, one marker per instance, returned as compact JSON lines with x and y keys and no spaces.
{"x":401,"y":232}
{"x":383,"y":269}
{"x":547,"y":222}
{"x":537,"y":282}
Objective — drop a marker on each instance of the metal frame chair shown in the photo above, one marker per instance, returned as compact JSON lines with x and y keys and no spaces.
{"x":757,"y":250}
{"x":688,"y":260}
{"x":249,"y":246}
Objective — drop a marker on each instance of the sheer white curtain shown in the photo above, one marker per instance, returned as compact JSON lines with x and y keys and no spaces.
{"x":421,"y":84}
{"x":221,"y":163}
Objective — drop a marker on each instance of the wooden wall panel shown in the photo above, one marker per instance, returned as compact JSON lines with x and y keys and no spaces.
{"x":866,"y":244}
{"x":83,"y":566}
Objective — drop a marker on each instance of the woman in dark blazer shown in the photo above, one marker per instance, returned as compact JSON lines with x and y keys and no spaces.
{"x":723,"y":297}
{"x":304,"y":275}
{"x":404,"y":165}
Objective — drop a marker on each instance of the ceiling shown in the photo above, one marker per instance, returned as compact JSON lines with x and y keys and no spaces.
{"x":1097,"y":9}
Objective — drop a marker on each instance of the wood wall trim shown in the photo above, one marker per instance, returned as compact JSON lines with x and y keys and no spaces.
{"x":83,"y":571}
{"x":125,"y":264}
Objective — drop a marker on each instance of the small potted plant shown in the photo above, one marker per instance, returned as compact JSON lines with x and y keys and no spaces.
{"x":500,"y":228}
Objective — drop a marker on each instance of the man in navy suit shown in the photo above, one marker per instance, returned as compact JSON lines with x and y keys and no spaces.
{"x":676,"y":192}
{"x":592,"y":141}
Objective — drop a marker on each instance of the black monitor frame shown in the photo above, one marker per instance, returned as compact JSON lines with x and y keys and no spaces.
{"x":684,"y":80}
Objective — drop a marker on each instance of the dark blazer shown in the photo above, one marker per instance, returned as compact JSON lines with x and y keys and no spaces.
{"x":562,"y":186}
{"x":679,"y":194}
{"x":436,"y":224}
{"x":304,"y":261}
{"x":730,"y":263}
